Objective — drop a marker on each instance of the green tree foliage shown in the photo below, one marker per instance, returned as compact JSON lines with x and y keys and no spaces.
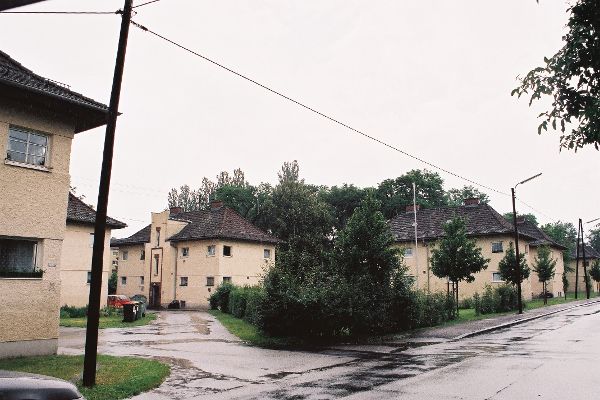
{"x":396,"y":194}
{"x":343,"y":201}
{"x":457,"y":197}
{"x":240,"y":198}
{"x":457,"y":257}
{"x":544,"y":267}
{"x":563,"y":233}
{"x":528,"y":217}
{"x":112,"y":283}
{"x":507,"y":269}
{"x":594,"y":238}
{"x":571,"y":77}
{"x":565,"y":282}
{"x":595,"y":273}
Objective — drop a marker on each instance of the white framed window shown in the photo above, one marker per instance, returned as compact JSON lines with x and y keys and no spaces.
{"x":91,"y":240}
{"x":123,"y":280}
{"x":89,"y":277}
{"x":210,"y":281}
{"x":408,"y":252}
{"x":497,"y":247}
{"x":267,"y":253}
{"x":497,"y":277}
{"x":227,"y":251}
{"x":185,"y":251}
{"x":26,"y":146}
{"x":183,"y":281}
{"x":18,"y":258}
{"x":226,"y":279}
{"x":211,"y":250}
{"x":125,"y":255}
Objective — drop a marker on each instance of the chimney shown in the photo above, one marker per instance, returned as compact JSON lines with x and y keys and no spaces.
{"x":473,"y":201}
{"x":410,"y":208}
{"x":216,"y":204}
{"x":175,"y":210}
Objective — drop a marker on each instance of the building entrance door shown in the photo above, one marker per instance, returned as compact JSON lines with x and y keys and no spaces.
{"x":155,"y":295}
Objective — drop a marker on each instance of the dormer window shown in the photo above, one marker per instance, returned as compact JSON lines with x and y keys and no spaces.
{"x":27,"y":147}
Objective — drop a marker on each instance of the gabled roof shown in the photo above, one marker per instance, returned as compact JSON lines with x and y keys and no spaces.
{"x":140,"y":237}
{"x":590,"y":252}
{"x":219,"y":223}
{"x":540,"y":237}
{"x":18,"y":82}
{"x":480,"y":220}
{"x":80,"y":213}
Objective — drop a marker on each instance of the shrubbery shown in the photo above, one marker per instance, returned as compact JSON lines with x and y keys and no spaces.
{"x":81,"y":312}
{"x":494,"y":300}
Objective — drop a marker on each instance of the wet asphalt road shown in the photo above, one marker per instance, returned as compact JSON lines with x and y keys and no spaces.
{"x":554,"y":357}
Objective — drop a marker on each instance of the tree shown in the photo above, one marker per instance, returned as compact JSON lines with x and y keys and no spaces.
{"x":343,"y":201}
{"x":571,"y":77}
{"x":507,"y":269}
{"x":396,"y":194}
{"x":457,"y":197}
{"x":545,"y":268}
{"x":594,"y":238}
{"x":457,"y":257}
{"x":565,"y":282}
{"x":112,"y":283}
{"x":240,"y":198}
{"x":528,"y":217}
{"x":563,"y":233}
{"x":595,"y":274}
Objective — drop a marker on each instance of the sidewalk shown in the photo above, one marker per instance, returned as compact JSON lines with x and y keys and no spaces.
{"x":467,"y":329}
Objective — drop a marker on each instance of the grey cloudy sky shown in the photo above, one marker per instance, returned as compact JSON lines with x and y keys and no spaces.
{"x":430,"y":77}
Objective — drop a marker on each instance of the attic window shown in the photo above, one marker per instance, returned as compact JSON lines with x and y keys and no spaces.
{"x":226,"y":251}
{"x":185,"y":251}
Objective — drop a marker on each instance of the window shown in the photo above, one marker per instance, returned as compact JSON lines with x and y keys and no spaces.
{"x":141,"y":280}
{"x":89,"y":277}
{"x":91,"y":240}
{"x":125,"y":255}
{"x":267,"y":253}
{"x":526,"y":248}
{"x":123,"y":280}
{"x":185,"y":251}
{"x":26,"y":146}
{"x":18,"y":259}
{"x":158,"y":237}
{"x":156,"y":259}
{"x":408,"y":252}
{"x":210,"y":281}
{"x":226,"y":279}
{"x":497,"y":277}
{"x":115,"y":254}
{"x":211,"y":250}
{"x":497,"y":247}
{"x":143,"y":255}
{"x":227,"y":251}
{"x":183,"y":281}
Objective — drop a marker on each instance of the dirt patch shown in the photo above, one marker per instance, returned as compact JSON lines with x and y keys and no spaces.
{"x":201,"y":325}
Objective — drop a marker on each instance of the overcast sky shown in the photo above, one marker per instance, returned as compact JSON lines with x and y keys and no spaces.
{"x":430,"y":77}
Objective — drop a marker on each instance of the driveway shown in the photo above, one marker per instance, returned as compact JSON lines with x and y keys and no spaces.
{"x":553,"y":357}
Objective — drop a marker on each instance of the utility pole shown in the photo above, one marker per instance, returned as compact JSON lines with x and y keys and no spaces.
{"x":518,"y":266}
{"x":91,"y":335}
{"x":416,"y":240}
{"x":585,"y":275}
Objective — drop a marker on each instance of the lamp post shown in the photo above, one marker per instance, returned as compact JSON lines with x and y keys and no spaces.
{"x":517,"y":258}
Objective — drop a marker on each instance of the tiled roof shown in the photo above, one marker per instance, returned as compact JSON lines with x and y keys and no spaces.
{"x":81,"y":213}
{"x":480,"y":219}
{"x":539,"y":236}
{"x":219,"y":223}
{"x":590,"y":252}
{"x":14,"y":73}
{"x":141,"y":236}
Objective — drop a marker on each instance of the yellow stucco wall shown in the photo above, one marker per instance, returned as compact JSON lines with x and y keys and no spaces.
{"x":572,"y":275}
{"x":245,"y":266}
{"x":33,"y":205}
{"x":76,"y":262}
{"x":555,"y":285}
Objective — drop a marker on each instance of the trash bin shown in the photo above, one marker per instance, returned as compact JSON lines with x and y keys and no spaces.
{"x":129,"y":312}
{"x":141,"y":310}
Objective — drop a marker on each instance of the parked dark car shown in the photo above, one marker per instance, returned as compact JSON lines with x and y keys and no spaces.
{"x":20,"y":386}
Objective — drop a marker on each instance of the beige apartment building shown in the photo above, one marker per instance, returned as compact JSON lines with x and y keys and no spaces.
{"x":38,"y":121}
{"x":492,"y":232}
{"x":76,"y":255}
{"x":591,"y":256}
{"x":184,"y":256}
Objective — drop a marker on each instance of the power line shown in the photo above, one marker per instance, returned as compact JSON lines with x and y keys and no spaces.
{"x":273,"y":91}
{"x":143,"y":4}
{"x":63,"y":12}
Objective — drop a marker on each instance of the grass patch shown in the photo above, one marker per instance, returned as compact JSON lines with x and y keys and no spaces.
{"x":112,"y":321}
{"x":116,"y":377}
{"x":249,"y":333}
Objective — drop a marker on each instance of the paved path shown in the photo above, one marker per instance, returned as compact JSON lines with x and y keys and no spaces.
{"x":208,"y":362}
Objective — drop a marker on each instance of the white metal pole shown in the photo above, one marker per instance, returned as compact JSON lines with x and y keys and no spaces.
{"x":416,"y":238}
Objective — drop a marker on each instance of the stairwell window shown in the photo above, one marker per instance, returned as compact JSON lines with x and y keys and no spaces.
{"x":185,"y":251}
{"x":497,"y":247}
{"x":142,"y":254}
{"x":183,"y":281}
{"x":123,"y":280}
{"x":227,"y":251}
{"x":89,"y":277}
{"x":125,"y":255}
{"x":27,"y":147}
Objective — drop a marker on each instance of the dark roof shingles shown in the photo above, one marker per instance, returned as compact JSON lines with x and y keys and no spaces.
{"x":141,"y":236}
{"x":79,"y":212}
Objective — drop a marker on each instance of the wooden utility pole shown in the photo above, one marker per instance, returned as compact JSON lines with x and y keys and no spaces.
{"x":518,"y":265}
{"x":91,"y":336}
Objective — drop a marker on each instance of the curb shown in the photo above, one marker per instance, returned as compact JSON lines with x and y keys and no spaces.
{"x":519,"y":321}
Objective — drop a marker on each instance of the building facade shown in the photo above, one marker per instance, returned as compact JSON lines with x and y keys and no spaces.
{"x":576,"y":272}
{"x":184,"y":256}
{"x":38,"y":121}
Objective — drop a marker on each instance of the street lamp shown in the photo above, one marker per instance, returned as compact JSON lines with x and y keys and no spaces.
{"x":517,"y":258}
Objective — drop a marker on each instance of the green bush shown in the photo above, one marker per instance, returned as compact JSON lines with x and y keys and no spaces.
{"x":254,"y":301}
{"x":237,"y":301}
{"x":220,"y":298}
{"x":73,"y":312}
{"x":466,"y":303}
{"x":495,"y":300}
